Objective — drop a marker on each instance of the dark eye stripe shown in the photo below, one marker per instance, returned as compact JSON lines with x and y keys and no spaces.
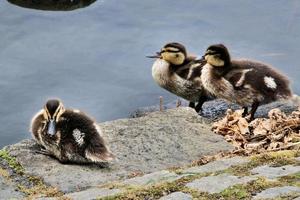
{"x":171,"y":51}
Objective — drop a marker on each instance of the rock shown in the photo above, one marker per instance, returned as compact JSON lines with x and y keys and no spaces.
{"x":93,"y":193}
{"x":153,"y":178}
{"x":272,"y":193}
{"x":147,"y":144}
{"x":216,"y":165}
{"x":8,"y":191}
{"x":216,"y":184}
{"x":177,"y":196}
{"x":52,"y":4}
{"x":275,"y":172}
{"x":216,"y":109}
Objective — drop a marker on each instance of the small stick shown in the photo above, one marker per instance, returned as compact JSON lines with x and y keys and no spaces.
{"x":286,"y":147}
{"x":161,"y":102}
{"x":178,"y":103}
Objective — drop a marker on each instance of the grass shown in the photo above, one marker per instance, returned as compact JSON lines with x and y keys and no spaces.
{"x":293,"y":179}
{"x":240,"y":191}
{"x":236,"y":192}
{"x":155,"y":191}
{"x":12,"y":162}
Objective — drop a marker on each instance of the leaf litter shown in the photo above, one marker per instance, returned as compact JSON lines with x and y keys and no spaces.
{"x":277,"y":132}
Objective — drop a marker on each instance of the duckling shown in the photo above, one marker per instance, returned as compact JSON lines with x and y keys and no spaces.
{"x":179,"y":73}
{"x":245,"y":82}
{"x":69,"y":135}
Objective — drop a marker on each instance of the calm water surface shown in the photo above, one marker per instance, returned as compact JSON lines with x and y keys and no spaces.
{"x":94,"y":58}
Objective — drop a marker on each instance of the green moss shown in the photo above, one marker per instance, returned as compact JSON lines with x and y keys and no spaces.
{"x":235,"y":192}
{"x":155,"y":191}
{"x":39,"y":189}
{"x":13,"y":163}
{"x":244,"y":191}
{"x":293,"y":179}
{"x":275,"y":159}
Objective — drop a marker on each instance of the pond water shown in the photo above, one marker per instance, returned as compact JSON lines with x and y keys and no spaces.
{"x":94,"y":58}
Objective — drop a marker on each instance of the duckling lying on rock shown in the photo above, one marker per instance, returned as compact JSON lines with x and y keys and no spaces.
{"x":69,"y":135}
{"x":179,"y":73}
{"x":245,"y":82}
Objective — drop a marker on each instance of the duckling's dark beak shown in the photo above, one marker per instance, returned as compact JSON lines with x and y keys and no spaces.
{"x":51,"y":127}
{"x":155,"y":56}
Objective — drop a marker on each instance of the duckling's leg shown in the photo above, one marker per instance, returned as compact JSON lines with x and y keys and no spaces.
{"x":192,"y":104}
{"x":253,"y":110}
{"x":201,"y":101}
{"x":245,"y":113}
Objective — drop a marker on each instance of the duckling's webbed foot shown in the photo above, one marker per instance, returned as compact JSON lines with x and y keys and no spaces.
{"x":253,"y":110}
{"x":201,"y":101}
{"x":245,"y":113}
{"x":192,"y":105}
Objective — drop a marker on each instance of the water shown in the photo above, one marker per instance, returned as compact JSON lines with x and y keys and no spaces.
{"x":94,"y":58}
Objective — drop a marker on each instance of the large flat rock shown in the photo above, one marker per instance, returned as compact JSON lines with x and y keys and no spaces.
{"x":275,"y":172}
{"x":8,"y":191}
{"x":216,"y":184}
{"x":177,"y":196}
{"x":147,"y":144}
{"x":272,"y":193}
{"x":217,"y":165}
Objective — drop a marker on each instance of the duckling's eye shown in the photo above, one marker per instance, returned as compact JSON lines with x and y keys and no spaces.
{"x":176,"y":55}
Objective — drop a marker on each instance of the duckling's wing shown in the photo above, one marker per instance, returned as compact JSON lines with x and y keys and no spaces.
{"x":191,"y":67}
{"x":262,"y":77}
{"x":37,"y":125}
{"x":236,"y":77}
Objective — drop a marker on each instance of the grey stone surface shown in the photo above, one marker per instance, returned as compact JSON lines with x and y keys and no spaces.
{"x":217,"y":165}
{"x":93,"y":193}
{"x":8,"y":191}
{"x":216,"y":109}
{"x":277,"y":192}
{"x":177,"y":196}
{"x":152,"y":178}
{"x":147,"y":144}
{"x":216,"y":184}
{"x":298,"y":158}
{"x":274,"y":172}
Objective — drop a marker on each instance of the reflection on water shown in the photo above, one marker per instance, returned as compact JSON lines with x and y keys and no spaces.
{"x":52,"y":4}
{"x":94,"y":58}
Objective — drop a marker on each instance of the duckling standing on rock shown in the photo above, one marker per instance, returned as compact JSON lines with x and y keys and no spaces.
{"x":69,"y":135}
{"x":245,"y":82}
{"x":180,"y":74}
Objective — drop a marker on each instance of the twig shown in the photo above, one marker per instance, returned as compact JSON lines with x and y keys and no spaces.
{"x":178,"y":103}
{"x":286,"y":147}
{"x":161,"y":103}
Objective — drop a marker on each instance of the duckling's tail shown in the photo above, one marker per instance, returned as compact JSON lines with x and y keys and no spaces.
{"x":283,"y":91}
{"x":99,"y":153}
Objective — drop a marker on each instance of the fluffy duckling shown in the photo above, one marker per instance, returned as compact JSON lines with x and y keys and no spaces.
{"x":179,"y":73}
{"x":69,"y":135}
{"x":245,"y":82}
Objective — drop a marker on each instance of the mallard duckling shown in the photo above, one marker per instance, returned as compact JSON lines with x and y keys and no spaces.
{"x":69,"y":135}
{"x":179,"y":73}
{"x":245,"y":82}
